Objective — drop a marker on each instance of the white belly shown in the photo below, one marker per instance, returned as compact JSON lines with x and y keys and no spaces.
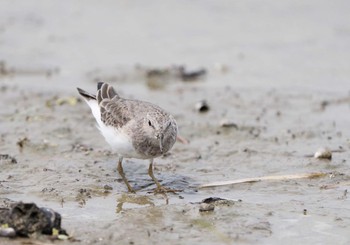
{"x":119,"y":141}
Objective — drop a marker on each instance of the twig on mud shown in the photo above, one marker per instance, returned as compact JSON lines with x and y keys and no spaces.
{"x":263,"y":178}
{"x":35,"y":243}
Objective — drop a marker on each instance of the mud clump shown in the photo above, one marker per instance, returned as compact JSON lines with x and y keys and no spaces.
{"x":209,"y":204}
{"x":27,"y":218}
{"x":7,"y":159}
{"x":206,"y":207}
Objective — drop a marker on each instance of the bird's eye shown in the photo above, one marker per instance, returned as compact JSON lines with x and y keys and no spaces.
{"x":149,"y":123}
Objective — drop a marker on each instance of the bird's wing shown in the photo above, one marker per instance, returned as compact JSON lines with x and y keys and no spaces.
{"x":115,"y":113}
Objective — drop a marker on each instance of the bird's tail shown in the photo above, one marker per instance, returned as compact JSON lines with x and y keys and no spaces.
{"x":86,"y":95}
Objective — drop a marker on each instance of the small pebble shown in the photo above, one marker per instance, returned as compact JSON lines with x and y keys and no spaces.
{"x":206,"y":207}
{"x":201,"y":106}
{"x":226,"y":123}
{"x":191,"y":75}
{"x":323,"y":153}
{"x":108,"y":187}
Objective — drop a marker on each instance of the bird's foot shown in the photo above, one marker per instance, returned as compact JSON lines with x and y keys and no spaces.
{"x":132,"y":191}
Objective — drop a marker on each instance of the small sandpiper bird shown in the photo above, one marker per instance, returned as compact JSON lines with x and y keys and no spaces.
{"x":133,"y":128}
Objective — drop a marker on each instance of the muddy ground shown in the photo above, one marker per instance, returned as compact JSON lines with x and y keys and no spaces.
{"x":277,"y":71}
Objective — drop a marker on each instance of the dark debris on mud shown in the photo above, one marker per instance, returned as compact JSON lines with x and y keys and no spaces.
{"x":24,"y":219}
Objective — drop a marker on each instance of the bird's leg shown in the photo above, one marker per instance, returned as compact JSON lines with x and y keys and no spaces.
{"x":160,"y":188}
{"x":121,"y":172}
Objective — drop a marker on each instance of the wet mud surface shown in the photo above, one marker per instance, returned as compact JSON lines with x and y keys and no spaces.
{"x":260,"y":120}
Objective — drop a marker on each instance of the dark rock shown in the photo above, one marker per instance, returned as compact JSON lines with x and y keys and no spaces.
{"x":212,"y":199}
{"x":28,"y":218}
{"x":191,"y":75}
{"x":202,"y":106}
